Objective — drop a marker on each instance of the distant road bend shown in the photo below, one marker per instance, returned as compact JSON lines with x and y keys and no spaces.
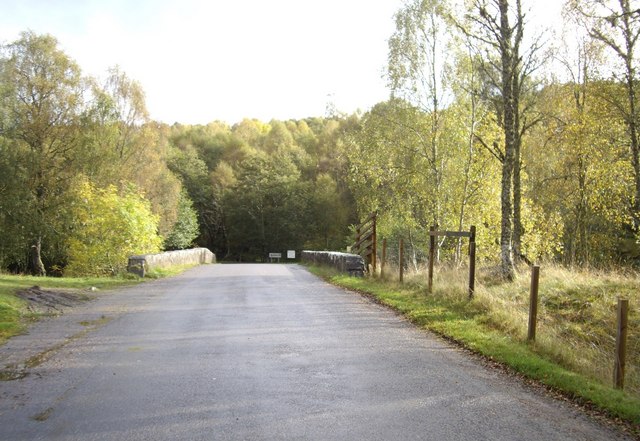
{"x":263,"y":352}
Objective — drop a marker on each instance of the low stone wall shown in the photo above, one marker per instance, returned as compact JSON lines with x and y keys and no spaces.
{"x":140,"y":265}
{"x":345,"y":262}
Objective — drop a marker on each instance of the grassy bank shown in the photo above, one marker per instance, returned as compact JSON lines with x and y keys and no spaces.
{"x":13,"y":310}
{"x":572,"y":353}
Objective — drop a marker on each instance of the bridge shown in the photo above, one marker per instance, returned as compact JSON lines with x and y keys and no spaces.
{"x":260,"y":352}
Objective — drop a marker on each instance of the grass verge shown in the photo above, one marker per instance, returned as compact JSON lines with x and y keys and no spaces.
{"x":159,"y":273}
{"x":13,"y":310}
{"x":472,"y":325}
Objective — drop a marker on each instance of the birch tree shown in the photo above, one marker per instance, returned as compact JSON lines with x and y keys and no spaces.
{"x":416,"y":73}
{"x":616,"y":24}
{"x":498,"y":27}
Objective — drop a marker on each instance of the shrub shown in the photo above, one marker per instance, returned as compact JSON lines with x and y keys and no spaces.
{"x":108,"y":227}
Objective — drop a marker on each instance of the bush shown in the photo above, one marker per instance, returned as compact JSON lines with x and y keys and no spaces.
{"x":109,"y":226}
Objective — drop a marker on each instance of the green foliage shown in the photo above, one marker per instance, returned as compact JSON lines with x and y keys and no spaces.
{"x":109,"y":227}
{"x":260,"y":187}
{"x":41,"y":107}
{"x":185,"y":230}
{"x":585,"y":182}
{"x":266,"y":208}
{"x":56,"y":125}
{"x":432,"y":154}
{"x":329,"y":214}
{"x":10,"y":315}
{"x":392,"y":171}
{"x":194,"y":174}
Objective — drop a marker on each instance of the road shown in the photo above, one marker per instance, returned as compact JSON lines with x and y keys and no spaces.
{"x":261,"y":352}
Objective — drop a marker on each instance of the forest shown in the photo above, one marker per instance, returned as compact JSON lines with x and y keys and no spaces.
{"x":489,"y":122}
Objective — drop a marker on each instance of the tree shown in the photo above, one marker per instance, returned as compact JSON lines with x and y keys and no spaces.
{"x":499,"y":26}
{"x":328,"y":213}
{"x":42,"y":102}
{"x":268,"y":207}
{"x":616,"y":24}
{"x":121,"y":145}
{"x":129,"y":110}
{"x":108,"y":228}
{"x":416,"y":72}
{"x":574,"y":137}
{"x":185,"y":230}
{"x":195,"y":177}
{"x":585,"y":176}
{"x":15,"y":209}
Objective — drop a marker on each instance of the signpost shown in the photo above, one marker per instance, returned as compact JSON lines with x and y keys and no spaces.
{"x":276,"y":256}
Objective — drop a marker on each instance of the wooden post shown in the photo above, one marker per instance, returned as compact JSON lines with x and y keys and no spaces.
{"x":374,"y":250}
{"x":432,"y":254}
{"x":533,"y":302}
{"x":621,"y":343}
{"x":383,"y":261}
{"x":472,"y":261}
{"x":472,"y":236}
{"x":472,"y":269}
{"x":401,"y":259}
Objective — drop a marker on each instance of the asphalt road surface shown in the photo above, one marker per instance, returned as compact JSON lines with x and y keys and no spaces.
{"x":260,"y":352}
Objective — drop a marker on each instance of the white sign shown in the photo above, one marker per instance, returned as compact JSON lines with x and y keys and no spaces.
{"x":275,"y":255}
{"x":291,"y":254}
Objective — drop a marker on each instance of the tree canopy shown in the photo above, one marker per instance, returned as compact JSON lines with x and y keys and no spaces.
{"x":486,"y":124}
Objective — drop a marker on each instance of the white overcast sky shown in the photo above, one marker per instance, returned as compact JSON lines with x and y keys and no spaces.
{"x":200,"y":61}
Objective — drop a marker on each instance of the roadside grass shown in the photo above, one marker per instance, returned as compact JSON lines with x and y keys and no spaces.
{"x":573,"y":352}
{"x":159,"y":273}
{"x":13,"y":310}
{"x":14,"y":315}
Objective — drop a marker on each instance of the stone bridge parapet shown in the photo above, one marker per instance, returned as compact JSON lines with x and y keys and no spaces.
{"x":344,"y":262}
{"x":142,"y":264}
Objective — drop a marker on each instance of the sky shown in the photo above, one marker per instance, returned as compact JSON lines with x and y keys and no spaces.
{"x":200,"y":61}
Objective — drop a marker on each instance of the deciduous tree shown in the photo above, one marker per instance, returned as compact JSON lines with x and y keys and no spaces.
{"x":109,"y":226}
{"x":42,"y":104}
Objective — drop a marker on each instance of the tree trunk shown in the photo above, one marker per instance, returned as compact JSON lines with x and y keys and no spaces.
{"x":37,"y":267}
{"x":628,"y":55}
{"x":581,"y":245}
{"x":633,"y":134}
{"x":518,"y":229}
{"x":507,"y":65}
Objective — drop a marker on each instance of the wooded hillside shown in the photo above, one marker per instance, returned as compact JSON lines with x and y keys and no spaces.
{"x":487,"y":124}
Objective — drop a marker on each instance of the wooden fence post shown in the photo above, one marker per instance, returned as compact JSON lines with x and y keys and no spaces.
{"x":621,"y":343}
{"x":533,"y":302}
{"x":472,"y":268}
{"x":401,"y":259}
{"x":374,"y":239}
{"x":383,"y":261}
{"x":432,"y":254}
